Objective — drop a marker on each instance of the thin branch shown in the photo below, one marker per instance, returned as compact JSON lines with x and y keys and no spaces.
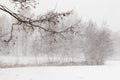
{"x":50,"y":17}
{"x":11,"y":33}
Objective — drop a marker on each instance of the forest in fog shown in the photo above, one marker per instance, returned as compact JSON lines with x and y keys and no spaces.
{"x":53,"y":38}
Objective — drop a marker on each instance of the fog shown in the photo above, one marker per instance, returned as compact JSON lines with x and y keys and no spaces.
{"x":100,"y":11}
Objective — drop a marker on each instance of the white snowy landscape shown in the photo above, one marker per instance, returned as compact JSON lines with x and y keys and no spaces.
{"x":59,"y":40}
{"x":110,"y":71}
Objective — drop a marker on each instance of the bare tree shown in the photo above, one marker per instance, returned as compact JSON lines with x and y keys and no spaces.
{"x":44,"y":24}
{"x":97,"y":44}
{"x":35,"y":23}
{"x":55,"y":34}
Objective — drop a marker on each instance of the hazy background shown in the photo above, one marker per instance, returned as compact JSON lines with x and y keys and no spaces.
{"x":100,"y":11}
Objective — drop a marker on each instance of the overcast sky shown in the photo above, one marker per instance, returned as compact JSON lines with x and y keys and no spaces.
{"x":96,"y":10}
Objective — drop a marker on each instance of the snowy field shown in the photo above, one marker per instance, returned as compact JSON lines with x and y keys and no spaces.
{"x":110,"y":71}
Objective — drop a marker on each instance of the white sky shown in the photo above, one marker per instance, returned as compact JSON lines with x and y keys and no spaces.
{"x":96,"y":10}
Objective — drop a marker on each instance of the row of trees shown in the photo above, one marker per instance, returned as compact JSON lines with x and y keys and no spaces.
{"x":55,"y":35}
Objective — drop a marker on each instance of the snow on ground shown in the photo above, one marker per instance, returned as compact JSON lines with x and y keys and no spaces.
{"x":105,"y":72}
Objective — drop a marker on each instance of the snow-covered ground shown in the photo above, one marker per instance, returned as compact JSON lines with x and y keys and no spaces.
{"x":105,"y":72}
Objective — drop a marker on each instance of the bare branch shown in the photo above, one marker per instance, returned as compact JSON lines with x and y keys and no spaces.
{"x":28,"y":22}
{"x":11,"y":33}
